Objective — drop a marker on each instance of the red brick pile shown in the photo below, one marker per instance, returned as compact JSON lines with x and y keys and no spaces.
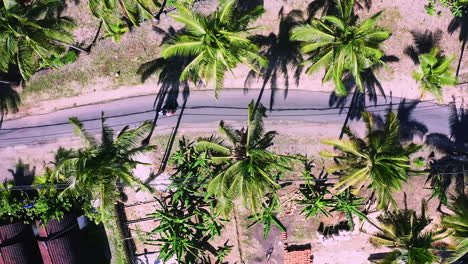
{"x":296,"y":254}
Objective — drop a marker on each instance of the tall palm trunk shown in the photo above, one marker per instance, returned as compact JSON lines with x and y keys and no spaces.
{"x":239,"y":244}
{"x":114,"y":231}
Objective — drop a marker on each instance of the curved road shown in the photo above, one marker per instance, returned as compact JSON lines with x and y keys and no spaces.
{"x":201,"y":107}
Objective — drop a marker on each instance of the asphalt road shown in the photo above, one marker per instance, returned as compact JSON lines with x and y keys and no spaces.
{"x":202,"y":107}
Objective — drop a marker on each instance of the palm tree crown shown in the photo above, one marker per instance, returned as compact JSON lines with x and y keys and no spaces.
{"x":340,"y":44}
{"x":249,"y":166}
{"x":217,"y":42}
{"x":380,"y":159}
{"x":96,"y":170}
{"x":28,"y":34}
{"x":434,"y":73}
{"x":404,"y":231}
{"x":458,"y":224}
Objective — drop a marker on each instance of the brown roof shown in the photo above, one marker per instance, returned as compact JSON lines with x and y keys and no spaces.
{"x":61,"y":242}
{"x":18,"y":245}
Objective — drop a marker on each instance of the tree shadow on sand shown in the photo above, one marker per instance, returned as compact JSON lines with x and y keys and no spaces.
{"x":9,"y":101}
{"x":461,"y":24}
{"x":454,"y":163}
{"x":282,"y":55}
{"x":168,"y":72}
{"x":423,"y":43}
{"x":23,"y":174}
{"x":372,"y":87}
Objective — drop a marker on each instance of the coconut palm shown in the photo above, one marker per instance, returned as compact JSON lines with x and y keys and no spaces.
{"x":379,"y":159}
{"x":96,"y":171}
{"x":458,"y":224}
{"x":28,"y":34}
{"x":218,"y":43}
{"x":434,"y":73}
{"x":340,"y":44}
{"x":404,"y":231}
{"x":110,"y":13}
{"x":249,"y":168}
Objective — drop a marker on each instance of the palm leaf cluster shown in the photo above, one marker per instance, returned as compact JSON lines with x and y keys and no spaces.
{"x":457,"y":223}
{"x":96,"y":170}
{"x":29,"y":33}
{"x":9,"y":101}
{"x":319,"y":200}
{"x":112,"y":12}
{"x":187,"y":220}
{"x":434,"y":73}
{"x":217,"y":43}
{"x":379,"y":160}
{"x":405,"y":231}
{"x":341,"y":44}
{"x":247,"y":167}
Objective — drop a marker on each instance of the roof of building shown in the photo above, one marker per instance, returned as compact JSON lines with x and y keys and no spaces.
{"x":296,"y":254}
{"x":62,"y":241}
{"x":18,"y":245}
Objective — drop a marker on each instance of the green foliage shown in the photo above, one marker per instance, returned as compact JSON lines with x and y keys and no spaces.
{"x":247,"y":169}
{"x":29,"y":34}
{"x":187,"y":220}
{"x":405,"y":231}
{"x":14,"y":205}
{"x":188,"y":3}
{"x":10,"y":100}
{"x":319,"y":200}
{"x":434,"y":73}
{"x":340,"y":44}
{"x":58,"y":60}
{"x":216,"y":43}
{"x":419,"y":162}
{"x":52,"y":204}
{"x":379,"y":160}
{"x":114,"y":14}
{"x":455,"y":6}
{"x":457,"y":223}
{"x":267,"y":217}
{"x":94,"y":171}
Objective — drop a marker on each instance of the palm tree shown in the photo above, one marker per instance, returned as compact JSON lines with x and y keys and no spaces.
{"x":340,"y":44}
{"x":379,"y":160}
{"x":404,"y":231}
{"x":458,"y":224}
{"x":434,"y":73}
{"x":249,"y":168}
{"x":28,"y":34}
{"x":9,"y":101}
{"x":110,"y":12}
{"x":96,"y":171}
{"x":218,"y":43}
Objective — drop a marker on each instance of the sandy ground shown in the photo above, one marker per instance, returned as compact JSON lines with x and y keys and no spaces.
{"x":400,"y":16}
{"x":300,"y":230}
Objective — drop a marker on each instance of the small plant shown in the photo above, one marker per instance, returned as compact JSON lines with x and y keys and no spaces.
{"x":267,"y":217}
{"x":456,"y":6}
{"x":419,"y":162}
{"x":434,"y":73}
{"x":57,"y":60}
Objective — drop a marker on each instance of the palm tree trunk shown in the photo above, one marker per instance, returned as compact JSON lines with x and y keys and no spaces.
{"x":70,"y":46}
{"x":461,"y":56}
{"x":95,"y":36}
{"x":161,"y":10}
{"x":349,"y":112}
{"x":116,"y":237}
{"x":239,"y":245}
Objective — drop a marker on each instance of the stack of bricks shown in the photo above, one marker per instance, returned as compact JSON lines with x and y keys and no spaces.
{"x":299,"y":255}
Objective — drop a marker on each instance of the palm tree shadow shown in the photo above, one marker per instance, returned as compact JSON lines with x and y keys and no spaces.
{"x":9,"y":101}
{"x":168,"y":72}
{"x":282,"y":55}
{"x":327,"y":7}
{"x":454,"y":149}
{"x":460,"y":23}
{"x":244,"y":6}
{"x":23,"y":174}
{"x":423,"y":43}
